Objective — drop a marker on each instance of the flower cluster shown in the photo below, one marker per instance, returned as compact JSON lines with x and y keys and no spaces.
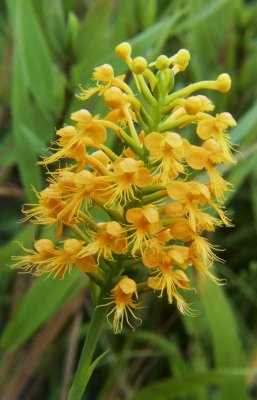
{"x":156,"y":208}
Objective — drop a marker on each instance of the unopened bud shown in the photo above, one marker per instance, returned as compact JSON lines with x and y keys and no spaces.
{"x":139,"y":65}
{"x":162,"y":62}
{"x":44,"y":246}
{"x":72,"y":246}
{"x":113,"y":97}
{"x":192,"y":105}
{"x":123,"y":50}
{"x":223,"y":83}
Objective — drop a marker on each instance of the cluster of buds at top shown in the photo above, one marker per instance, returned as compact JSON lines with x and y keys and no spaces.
{"x":156,"y":210}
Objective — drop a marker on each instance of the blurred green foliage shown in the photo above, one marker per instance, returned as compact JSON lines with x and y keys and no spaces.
{"x":47,"y":49}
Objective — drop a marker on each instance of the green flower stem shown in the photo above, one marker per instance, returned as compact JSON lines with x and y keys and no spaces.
{"x":79,"y":233}
{"x":151,"y":198}
{"x":96,"y":278}
{"x":124,"y":136}
{"x":146,"y":91}
{"x":83,"y":372}
{"x":212,"y":85}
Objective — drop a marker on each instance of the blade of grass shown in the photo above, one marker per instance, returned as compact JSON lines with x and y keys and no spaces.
{"x":171,"y":388}
{"x":224,"y":336}
{"x":35,"y":57}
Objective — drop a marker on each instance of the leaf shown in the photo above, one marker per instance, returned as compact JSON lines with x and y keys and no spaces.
{"x":7,"y":152}
{"x":240,"y":172}
{"x":223,"y":331}
{"x":201,"y":14}
{"x":93,"y":366}
{"x":41,"y":302}
{"x":35,"y":57}
{"x":92,"y":43}
{"x":171,"y":388}
{"x":246,"y":126}
{"x":35,"y":143}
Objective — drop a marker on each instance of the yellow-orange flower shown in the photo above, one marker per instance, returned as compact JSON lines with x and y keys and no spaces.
{"x":122,"y":298}
{"x":192,"y":195}
{"x":74,"y":141}
{"x":48,"y":259}
{"x":109,"y":239}
{"x":145,"y":224}
{"x":128,"y":176}
{"x":207,"y":156}
{"x":167,"y":150}
{"x":216,"y":127}
{"x":104,"y":74}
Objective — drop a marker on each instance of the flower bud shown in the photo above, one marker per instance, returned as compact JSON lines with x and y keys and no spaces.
{"x":123,"y":50}
{"x":66,"y":178}
{"x":223,"y":83}
{"x":114,"y":97}
{"x":84,"y":178}
{"x":72,"y":246}
{"x":139,"y":65}
{"x":181,"y":59}
{"x":193,"y":105}
{"x":162,"y":62}
{"x":44,"y":246}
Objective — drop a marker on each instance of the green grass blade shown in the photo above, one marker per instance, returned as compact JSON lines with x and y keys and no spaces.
{"x":36,"y":59}
{"x":246,"y":126}
{"x":223,"y":331}
{"x":171,"y":388}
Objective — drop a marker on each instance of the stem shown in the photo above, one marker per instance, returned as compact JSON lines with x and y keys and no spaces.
{"x":83,"y":372}
{"x":79,"y":233}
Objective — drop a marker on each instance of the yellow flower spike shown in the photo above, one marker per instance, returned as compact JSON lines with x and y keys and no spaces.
{"x":140,"y":190}
{"x":123,"y":51}
{"x":122,"y":297}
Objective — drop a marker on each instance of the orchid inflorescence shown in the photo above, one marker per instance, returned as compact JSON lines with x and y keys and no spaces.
{"x":156,"y":211}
